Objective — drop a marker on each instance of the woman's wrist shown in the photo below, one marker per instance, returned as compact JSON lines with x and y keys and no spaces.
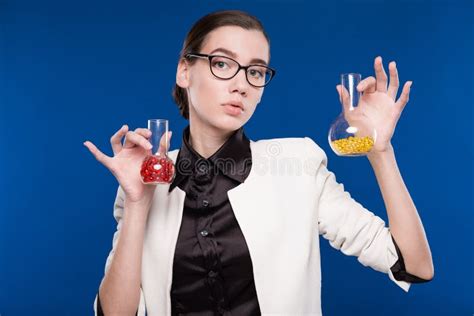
{"x":138,"y":210}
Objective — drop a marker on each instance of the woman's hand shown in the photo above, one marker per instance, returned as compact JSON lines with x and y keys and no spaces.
{"x":127,"y":161}
{"x":378,"y":104}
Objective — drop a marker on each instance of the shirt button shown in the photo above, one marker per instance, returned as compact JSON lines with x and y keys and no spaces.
{"x":212,"y":274}
{"x":204,"y":233}
{"x":205,"y":203}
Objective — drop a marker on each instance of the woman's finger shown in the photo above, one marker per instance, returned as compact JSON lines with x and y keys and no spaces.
{"x":164,"y":142}
{"x":394,"y":81}
{"x":368,"y":85}
{"x":380,"y":75}
{"x":145,"y":132}
{"x":116,"y":139}
{"x":404,"y":96}
{"x":133,"y":139}
{"x":101,"y":157}
{"x":344,"y":97}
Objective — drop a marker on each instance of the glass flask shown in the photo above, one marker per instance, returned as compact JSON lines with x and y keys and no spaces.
{"x":351,"y":134}
{"x":157,"y":167}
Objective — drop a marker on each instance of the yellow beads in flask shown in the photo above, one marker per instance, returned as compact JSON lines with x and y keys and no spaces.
{"x":353,"y":145}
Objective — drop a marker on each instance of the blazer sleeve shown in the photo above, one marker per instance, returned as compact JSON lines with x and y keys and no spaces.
{"x":399,"y":271}
{"x":348,"y":226}
{"x":118,"y":215}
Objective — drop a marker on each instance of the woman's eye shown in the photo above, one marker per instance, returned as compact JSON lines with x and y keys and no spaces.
{"x":220,"y":64}
{"x":256,"y":73}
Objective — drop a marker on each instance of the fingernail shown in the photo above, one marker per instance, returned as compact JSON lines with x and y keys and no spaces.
{"x":149,"y":146}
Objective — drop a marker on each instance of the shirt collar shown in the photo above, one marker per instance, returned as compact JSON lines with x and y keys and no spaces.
{"x":233,"y":158}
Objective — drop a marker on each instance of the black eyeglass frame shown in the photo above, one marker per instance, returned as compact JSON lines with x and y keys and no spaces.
{"x":210,"y":57}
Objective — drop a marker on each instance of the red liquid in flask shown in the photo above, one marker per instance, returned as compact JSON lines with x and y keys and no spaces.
{"x":157,"y":169}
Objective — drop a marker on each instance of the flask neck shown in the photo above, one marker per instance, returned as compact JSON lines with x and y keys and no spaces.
{"x":349,"y":84}
{"x":160,"y":143}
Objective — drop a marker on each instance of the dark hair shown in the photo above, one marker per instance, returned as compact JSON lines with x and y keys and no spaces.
{"x":196,"y":36}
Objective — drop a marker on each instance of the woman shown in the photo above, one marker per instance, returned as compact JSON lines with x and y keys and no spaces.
{"x":232,"y":235}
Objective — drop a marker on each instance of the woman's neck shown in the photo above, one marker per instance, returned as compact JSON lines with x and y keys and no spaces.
{"x":206,"y":140}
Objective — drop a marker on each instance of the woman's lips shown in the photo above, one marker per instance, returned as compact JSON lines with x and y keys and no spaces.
{"x":232,"y":109}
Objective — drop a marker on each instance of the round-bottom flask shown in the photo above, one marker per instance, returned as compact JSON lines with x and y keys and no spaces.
{"x":158,"y":168}
{"x":351,"y":134}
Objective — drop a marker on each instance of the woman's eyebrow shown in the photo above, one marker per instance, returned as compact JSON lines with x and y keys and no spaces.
{"x":234,"y":55}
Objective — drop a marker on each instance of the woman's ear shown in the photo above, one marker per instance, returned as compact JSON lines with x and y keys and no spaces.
{"x":182,"y":74}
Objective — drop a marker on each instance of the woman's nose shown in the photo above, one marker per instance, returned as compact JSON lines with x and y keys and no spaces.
{"x":240,"y":82}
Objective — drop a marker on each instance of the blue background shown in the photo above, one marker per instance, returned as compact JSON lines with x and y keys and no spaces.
{"x":76,"y":71}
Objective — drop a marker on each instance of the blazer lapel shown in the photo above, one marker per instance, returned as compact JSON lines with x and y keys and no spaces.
{"x":255,"y":206}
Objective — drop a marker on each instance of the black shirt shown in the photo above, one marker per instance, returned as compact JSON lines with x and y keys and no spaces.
{"x":212,"y":268}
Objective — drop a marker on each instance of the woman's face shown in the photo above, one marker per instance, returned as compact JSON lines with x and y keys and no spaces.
{"x":209,"y":95}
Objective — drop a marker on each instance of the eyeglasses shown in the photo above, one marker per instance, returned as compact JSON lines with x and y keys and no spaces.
{"x":226,"y":68}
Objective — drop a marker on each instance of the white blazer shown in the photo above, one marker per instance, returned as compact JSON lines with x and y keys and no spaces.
{"x":286,"y":202}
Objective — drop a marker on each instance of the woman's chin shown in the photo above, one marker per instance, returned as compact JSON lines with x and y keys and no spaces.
{"x":229,"y":123}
